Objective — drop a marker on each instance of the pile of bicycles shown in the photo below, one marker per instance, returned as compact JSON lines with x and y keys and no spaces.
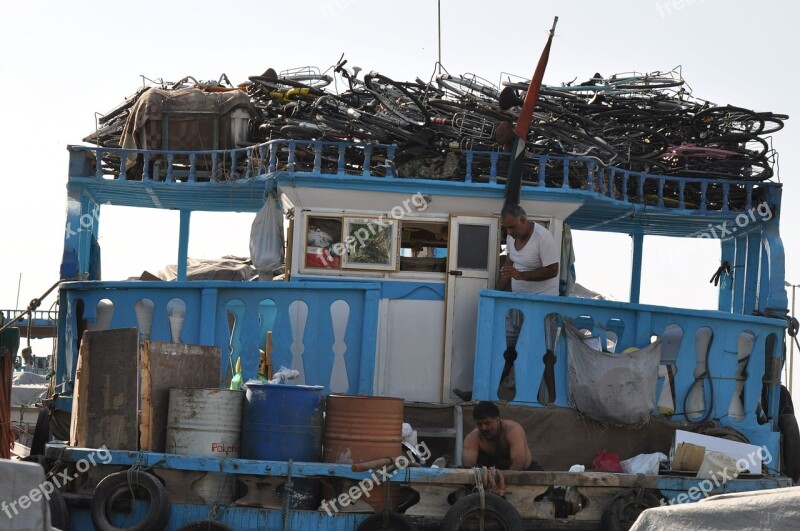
{"x":641,"y":122}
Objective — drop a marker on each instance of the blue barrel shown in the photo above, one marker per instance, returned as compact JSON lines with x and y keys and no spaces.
{"x":283,"y":422}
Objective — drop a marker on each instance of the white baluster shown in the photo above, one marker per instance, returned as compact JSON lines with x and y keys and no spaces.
{"x":697,"y":398}
{"x":298,"y":313}
{"x":340,"y":313}
{"x":104,"y":313}
{"x":144,"y":317}
{"x":176,"y":310}
{"x":745,"y":342}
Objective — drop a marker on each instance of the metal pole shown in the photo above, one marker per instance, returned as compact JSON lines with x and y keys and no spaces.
{"x":19,"y":283}
{"x":439,"y":21}
{"x":791,"y":345}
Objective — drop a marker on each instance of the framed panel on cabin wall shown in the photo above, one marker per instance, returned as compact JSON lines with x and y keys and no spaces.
{"x":370,"y":243}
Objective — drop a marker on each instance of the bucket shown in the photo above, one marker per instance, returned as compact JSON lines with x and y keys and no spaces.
{"x":283,"y":422}
{"x":206,"y":423}
{"x":364,"y":428}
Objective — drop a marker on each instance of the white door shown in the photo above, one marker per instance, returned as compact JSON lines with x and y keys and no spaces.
{"x":471,"y":266}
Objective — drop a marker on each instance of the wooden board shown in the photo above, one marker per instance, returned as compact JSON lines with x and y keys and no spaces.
{"x":105,"y":398}
{"x":166,"y":365}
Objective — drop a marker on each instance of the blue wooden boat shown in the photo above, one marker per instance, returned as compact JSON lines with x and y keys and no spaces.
{"x":419,"y":325}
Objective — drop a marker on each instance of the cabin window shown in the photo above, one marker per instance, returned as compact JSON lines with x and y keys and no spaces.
{"x":473,"y":247}
{"x":323,"y":243}
{"x":423,"y":246}
{"x":370,"y":243}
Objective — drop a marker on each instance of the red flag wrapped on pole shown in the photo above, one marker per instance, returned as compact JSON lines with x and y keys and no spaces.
{"x":514,"y":180}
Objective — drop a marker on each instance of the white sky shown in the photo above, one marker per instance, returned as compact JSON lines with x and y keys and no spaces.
{"x":64,"y":61}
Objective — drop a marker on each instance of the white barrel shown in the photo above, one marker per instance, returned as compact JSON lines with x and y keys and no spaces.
{"x":207,"y":423}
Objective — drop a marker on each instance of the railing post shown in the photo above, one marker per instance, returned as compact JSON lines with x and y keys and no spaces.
{"x":183,"y":244}
{"x":636,"y":267}
{"x":192,"y":167}
{"x":493,"y":167}
{"x":468,"y":171}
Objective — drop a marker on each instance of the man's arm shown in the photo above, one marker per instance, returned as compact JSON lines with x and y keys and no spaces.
{"x":543,"y":273}
{"x":518,"y":448}
{"x":469,"y":453}
{"x":504,"y":283}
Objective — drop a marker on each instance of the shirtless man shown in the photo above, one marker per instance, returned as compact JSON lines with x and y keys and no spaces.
{"x":497,"y":443}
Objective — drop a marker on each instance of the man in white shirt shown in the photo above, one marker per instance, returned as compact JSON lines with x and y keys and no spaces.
{"x":532,"y":262}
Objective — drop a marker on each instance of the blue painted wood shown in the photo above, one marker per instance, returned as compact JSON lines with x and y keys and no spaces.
{"x":738,"y":267}
{"x":183,"y":243}
{"x":637,"y":322}
{"x":777,"y":302}
{"x":725,"y":294}
{"x":752,"y":272}
{"x":206,"y":322}
{"x":636,"y":266}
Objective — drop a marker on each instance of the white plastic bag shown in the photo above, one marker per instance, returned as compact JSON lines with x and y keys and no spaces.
{"x":266,"y":238}
{"x":643,"y":464}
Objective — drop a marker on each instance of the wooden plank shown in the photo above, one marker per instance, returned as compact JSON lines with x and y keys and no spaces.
{"x":166,"y":365}
{"x":105,"y":400}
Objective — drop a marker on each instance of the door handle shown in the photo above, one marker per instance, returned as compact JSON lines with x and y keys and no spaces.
{"x":456,"y":273}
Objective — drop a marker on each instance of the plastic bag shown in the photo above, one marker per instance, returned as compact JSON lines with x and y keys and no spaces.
{"x":644,"y":464}
{"x":266,"y":238}
{"x":606,"y":461}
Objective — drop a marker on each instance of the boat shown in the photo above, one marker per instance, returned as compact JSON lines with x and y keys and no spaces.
{"x":387,"y":291}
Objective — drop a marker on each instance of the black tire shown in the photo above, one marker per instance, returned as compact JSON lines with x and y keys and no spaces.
{"x":751,"y":146}
{"x":59,"y":515}
{"x":41,"y":434}
{"x":387,"y":521}
{"x":785,"y":405}
{"x":624,"y":510}
{"x":772,"y":122}
{"x":467,"y":510}
{"x":205,"y":525}
{"x":718,"y":121}
{"x":790,"y":446}
{"x":116,"y":484}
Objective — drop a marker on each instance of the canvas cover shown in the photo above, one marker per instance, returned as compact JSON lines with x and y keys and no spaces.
{"x":743,"y":511}
{"x":612,"y":388}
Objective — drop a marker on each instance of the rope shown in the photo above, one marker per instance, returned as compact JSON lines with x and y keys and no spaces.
{"x":478,"y":473}
{"x":34,"y":304}
{"x":699,"y":379}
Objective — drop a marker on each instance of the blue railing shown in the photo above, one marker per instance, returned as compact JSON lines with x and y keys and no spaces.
{"x":311,"y":324}
{"x":634,"y":325}
{"x":304,"y":157}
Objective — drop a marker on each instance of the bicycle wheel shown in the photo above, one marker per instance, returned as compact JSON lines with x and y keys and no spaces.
{"x":397,"y":99}
{"x":635,"y":142}
{"x":644,"y":82}
{"x":772,"y":122}
{"x":752,"y":147}
{"x":719,"y":121}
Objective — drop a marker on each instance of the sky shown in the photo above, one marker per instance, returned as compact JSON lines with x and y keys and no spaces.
{"x":65,"y":61}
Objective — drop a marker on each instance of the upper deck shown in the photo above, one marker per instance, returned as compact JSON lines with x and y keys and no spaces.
{"x":612,"y":199}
